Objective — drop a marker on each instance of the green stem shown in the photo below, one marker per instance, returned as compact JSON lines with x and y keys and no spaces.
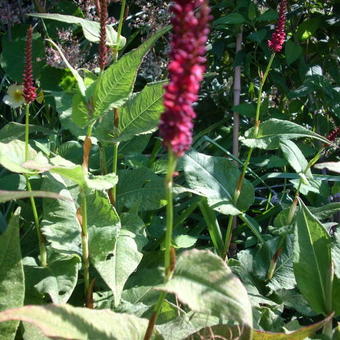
{"x":27,"y":130}
{"x":240,"y":181}
{"x":114,"y":170}
{"x":172,"y":160}
{"x":41,"y":239}
{"x":168,"y":265}
{"x":85,"y":245}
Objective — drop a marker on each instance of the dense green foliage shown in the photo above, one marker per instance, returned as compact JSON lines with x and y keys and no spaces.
{"x":255,"y":231}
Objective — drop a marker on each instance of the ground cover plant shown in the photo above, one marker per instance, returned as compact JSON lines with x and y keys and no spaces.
{"x":169,"y":170}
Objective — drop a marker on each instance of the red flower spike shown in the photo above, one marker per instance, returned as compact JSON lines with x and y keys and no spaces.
{"x":102,"y":41}
{"x":29,"y":91}
{"x":279,"y":36}
{"x":190,"y":33}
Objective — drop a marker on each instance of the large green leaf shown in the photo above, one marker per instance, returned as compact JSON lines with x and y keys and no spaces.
{"x":127,"y":252}
{"x":91,"y":29}
{"x":58,"y":279}
{"x":299,"y":334}
{"x":103,"y":227}
{"x":216,"y":179}
{"x":272,"y":131}
{"x":72,"y":323}
{"x":139,"y":115}
{"x":312,"y":261}
{"x":115,"y":84}
{"x":12,"y":287}
{"x":206,"y":284}
{"x":140,"y":187}
{"x":12,"y":157}
{"x":59,"y":223}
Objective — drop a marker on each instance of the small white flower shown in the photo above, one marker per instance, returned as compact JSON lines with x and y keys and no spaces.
{"x":15,"y":96}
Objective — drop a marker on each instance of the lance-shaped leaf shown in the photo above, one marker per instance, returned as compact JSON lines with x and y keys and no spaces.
{"x":312,"y":261}
{"x":139,"y":115}
{"x":272,"y":131}
{"x":91,"y":29}
{"x":12,"y":287}
{"x":215,"y":178}
{"x":299,"y":334}
{"x":116,"y":83}
{"x":206,"y":284}
{"x":67,"y":322}
{"x":6,"y":195}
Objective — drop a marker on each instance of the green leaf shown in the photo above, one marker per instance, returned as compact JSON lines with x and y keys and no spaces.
{"x":14,"y":130}
{"x":272,"y":131}
{"x":140,"y":188}
{"x":127,"y":253}
{"x":247,"y":110}
{"x":312,"y":259}
{"x":295,"y":158}
{"x":139,"y":115}
{"x":12,"y":157}
{"x":215,"y":178}
{"x":80,"y":112}
{"x":12,"y":287}
{"x":116,"y":83}
{"x":230,"y":19}
{"x":59,"y":224}
{"x":91,"y":29}
{"x":59,"y":279}
{"x":103,"y":182}
{"x":67,"y":322}
{"x":300,"y":334}
{"x":292,"y":51}
{"x":103,"y":228}
{"x":212,"y":289}
{"x":269,"y":15}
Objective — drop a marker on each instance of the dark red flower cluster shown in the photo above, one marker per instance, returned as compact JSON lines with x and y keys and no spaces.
{"x":102,"y":41}
{"x":332,"y":136}
{"x":30,"y":92}
{"x":187,"y":64}
{"x":279,"y":36}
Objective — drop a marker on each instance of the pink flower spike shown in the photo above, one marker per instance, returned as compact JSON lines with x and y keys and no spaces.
{"x":29,"y":91}
{"x":279,"y":36}
{"x":190,"y":19}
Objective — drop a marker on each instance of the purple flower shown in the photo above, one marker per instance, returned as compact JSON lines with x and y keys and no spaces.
{"x":187,"y":64}
{"x":29,"y":92}
{"x":279,"y":36}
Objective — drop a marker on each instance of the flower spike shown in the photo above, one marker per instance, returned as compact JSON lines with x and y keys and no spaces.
{"x":29,"y":90}
{"x":187,"y":64}
{"x":279,"y":36}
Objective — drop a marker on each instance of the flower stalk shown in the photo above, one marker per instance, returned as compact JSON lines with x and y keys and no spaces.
{"x":275,"y":44}
{"x":187,"y":64}
{"x":30,"y":94}
{"x":102,"y":41}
